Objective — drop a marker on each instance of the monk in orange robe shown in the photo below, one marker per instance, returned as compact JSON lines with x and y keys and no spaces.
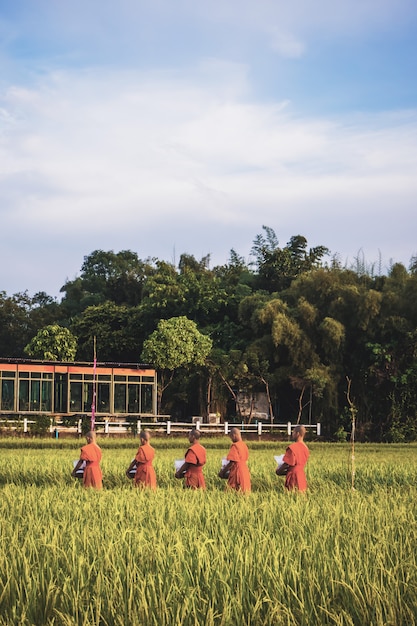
{"x":195,"y":459}
{"x":236,"y":471}
{"x":91,"y":454}
{"x":145,"y":474}
{"x":294,"y":462}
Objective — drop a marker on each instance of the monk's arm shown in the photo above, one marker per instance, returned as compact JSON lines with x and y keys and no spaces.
{"x":225,"y":471}
{"x":76,"y":468}
{"x":131,"y":466}
{"x":181,"y":472}
{"x":282,"y":470}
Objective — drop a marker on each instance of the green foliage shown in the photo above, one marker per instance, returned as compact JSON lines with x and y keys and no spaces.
{"x":41,"y":425}
{"x":332,"y":337}
{"x":278,"y":267}
{"x":13,"y":326}
{"x":285,"y":324}
{"x":118,"y":277}
{"x":53,"y":343}
{"x":175,"y":343}
{"x":111,"y":324}
{"x":21,"y":316}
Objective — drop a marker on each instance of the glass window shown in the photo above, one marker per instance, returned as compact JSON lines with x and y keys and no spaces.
{"x":133,"y":405}
{"x":7,"y":395}
{"x":8,"y":374}
{"x":104,"y":377}
{"x":35,"y":375}
{"x":119,"y":378}
{"x":23,"y":374}
{"x":61,"y":393}
{"x":23,"y":395}
{"x":47,"y":375}
{"x":87,"y":397}
{"x":120,"y":398}
{"x":148,"y":379}
{"x":75,"y":397}
{"x":134,"y":379}
{"x":146,"y":397}
{"x":75,"y":376}
{"x":103,"y":398}
{"x":46,"y":395}
{"x":35,"y":395}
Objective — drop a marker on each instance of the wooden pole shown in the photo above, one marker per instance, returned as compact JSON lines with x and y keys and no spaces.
{"x":93,"y":404}
{"x":352,"y":410}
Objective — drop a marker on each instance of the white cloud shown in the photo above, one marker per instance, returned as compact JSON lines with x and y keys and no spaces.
{"x":75,"y":127}
{"x":105,"y":150}
{"x":287,"y":45}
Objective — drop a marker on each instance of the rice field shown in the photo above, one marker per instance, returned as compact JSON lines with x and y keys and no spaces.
{"x":70,"y":556}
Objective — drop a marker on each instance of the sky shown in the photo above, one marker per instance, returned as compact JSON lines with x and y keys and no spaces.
{"x":180,"y":126}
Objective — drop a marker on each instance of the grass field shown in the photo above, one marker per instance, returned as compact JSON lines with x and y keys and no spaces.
{"x":70,"y":556}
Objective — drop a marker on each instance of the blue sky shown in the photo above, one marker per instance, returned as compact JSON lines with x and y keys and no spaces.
{"x":171,"y":126}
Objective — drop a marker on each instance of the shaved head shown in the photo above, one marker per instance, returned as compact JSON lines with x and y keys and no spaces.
{"x":194,"y":434}
{"x":91,"y":435}
{"x":299,"y":432}
{"x":235,"y":434}
{"x":145,"y":435}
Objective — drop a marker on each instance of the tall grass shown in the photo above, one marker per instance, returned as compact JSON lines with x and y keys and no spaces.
{"x":176,"y":557}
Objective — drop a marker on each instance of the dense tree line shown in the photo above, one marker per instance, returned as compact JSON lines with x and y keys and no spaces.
{"x":294,"y":324}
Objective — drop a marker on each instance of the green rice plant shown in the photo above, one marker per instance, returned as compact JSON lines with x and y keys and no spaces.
{"x":71,"y":556}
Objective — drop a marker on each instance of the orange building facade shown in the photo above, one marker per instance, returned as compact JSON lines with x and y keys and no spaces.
{"x":58,"y":388}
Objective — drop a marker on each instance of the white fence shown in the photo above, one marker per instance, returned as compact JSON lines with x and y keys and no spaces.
{"x":168,"y":427}
{"x":109,"y":427}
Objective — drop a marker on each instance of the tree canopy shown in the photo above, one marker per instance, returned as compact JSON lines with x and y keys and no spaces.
{"x":53,"y":343}
{"x":289,"y":324}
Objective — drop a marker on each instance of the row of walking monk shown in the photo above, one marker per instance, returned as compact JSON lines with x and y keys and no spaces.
{"x":235,"y":469}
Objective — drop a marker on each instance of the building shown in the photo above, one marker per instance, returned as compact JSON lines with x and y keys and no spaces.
{"x":65,"y":389}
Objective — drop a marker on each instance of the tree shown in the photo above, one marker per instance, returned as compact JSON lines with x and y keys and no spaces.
{"x":205,"y":298}
{"x":175,"y":343}
{"x":278,"y":267}
{"x":115,"y":329}
{"x":107,"y":276}
{"x":13,"y":326}
{"x":53,"y":343}
{"x":164,"y":297}
{"x":21,"y":316}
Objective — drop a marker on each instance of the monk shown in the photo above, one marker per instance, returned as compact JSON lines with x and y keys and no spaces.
{"x":145,"y":474}
{"x":91,"y":454}
{"x":294,"y":462}
{"x":195,"y":459}
{"x":236,"y":470}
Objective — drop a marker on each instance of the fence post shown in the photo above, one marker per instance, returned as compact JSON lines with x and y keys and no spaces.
{"x":25,"y":424}
{"x":106,"y":426}
{"x":289,"y":429}
{"x":79,"y":427}
{"x":259,"y":428}
{"x":168,"y":427}
{"x":50,"y":426}
{"x":226,"y":428}
{"x":138,"y":427}
{"x":197,"y":425}
{"x":318,"y":429}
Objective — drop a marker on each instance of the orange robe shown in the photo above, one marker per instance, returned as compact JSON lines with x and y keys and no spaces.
{"x":91,"y":454}
{"x":145,"y":474}
{"x":196,"y":456}
{"x":296,"y":456}
{"x":239,"y":477}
